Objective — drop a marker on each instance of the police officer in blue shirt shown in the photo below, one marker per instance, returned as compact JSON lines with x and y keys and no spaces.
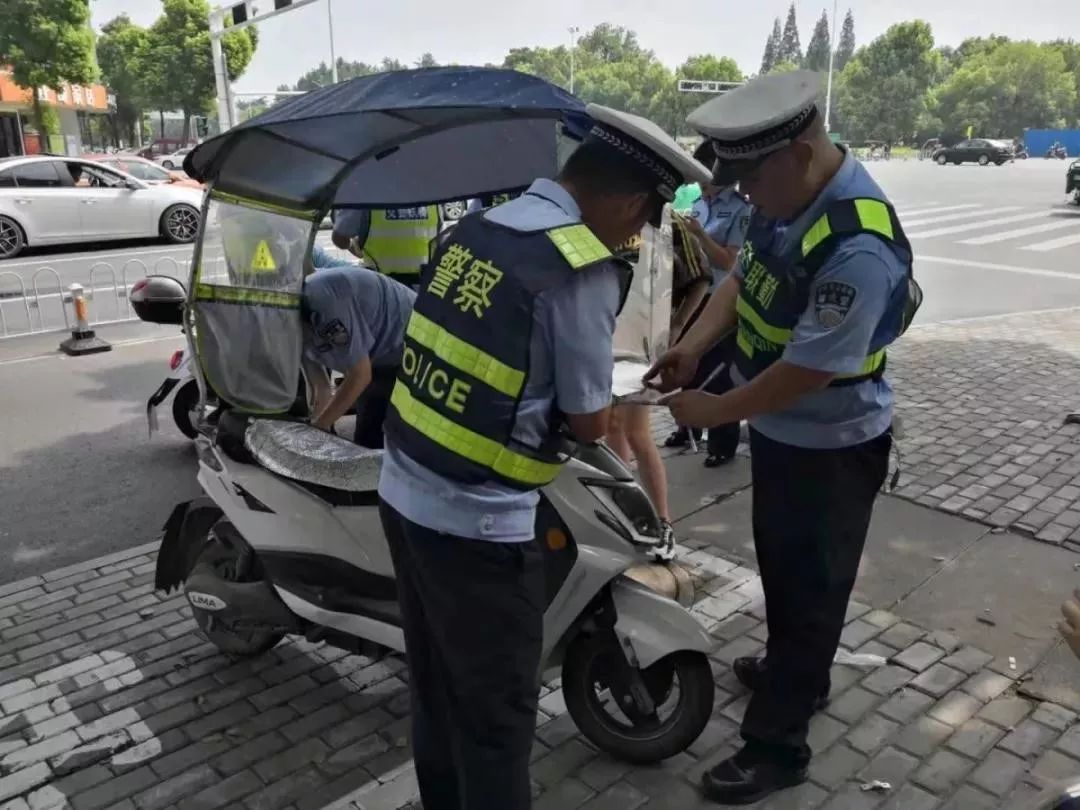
{"x":511,"y":336}
{"x":355,"y":325}
{"x":822,"y":286}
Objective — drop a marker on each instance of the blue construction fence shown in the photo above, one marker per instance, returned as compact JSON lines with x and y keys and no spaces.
{"x":1038,"y":141}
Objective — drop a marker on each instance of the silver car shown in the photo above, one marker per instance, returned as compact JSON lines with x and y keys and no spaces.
{"x":57,"y":200}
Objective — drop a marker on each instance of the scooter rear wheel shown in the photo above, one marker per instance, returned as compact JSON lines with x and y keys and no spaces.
{"x":681,"y":685}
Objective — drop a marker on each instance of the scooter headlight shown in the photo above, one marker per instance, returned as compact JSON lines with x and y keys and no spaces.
{"x":628,"y":511}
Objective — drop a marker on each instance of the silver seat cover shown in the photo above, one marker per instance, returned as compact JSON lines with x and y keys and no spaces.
{"x":305,"y":453}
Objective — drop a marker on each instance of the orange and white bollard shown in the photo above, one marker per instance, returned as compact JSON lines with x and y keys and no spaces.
{"x":82,"y":340}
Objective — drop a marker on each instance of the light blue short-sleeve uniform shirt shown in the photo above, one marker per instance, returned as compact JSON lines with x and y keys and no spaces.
{"x":355,"y":313}
{"x":570,"y":367}
{"x":724,"y":218}
{"x":839,"y":416}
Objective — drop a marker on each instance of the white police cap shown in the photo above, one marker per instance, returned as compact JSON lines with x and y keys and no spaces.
{"x":645,"y":142}
{"x":760,"y":117}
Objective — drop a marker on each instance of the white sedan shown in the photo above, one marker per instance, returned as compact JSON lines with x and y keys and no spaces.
{"x":173,"y":160}
{"x":57,"y":200}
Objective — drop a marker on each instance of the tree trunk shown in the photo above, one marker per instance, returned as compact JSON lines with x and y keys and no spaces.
{"x":114,"y":128}
{"x":187,"y":126}
{"x":161,"y":118}
{"x":39,"y":120}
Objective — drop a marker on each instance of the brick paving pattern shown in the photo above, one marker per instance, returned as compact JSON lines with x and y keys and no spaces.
{"x":982,"y":404}
{"x":109,"y":698}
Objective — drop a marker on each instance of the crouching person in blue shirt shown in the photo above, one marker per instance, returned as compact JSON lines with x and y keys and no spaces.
{"x":355,"y":325}
{"x":822,"y":286}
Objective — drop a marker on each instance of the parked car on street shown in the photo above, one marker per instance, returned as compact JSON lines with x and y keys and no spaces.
{"x":145,"y":170}
{"x":54,"y":200}
{"x":174,"y":160}
{"x":1072,"y":181}
{"x":975,"y":150}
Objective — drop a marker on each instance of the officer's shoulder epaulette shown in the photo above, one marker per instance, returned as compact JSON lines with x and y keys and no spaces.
{"x":578,"y":245}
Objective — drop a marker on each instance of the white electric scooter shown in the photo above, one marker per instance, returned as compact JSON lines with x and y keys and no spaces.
{"x":287,"y":538}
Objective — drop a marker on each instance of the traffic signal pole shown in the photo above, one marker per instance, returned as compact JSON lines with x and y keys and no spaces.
{"x":230,"y":18}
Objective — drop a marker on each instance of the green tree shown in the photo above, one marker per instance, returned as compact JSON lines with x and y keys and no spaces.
{"x":550,"y":64}
{"x":1002,"y":89}
{"x":845,"y":48}
{"x":47,"y":43}
{"x":883,"y":89}
{"x":119,"y":47}
{"x":1070,"y":52}
{"x":772,"y":49}
{"x":817,"y":52}
{"x":672,"y":107}
{"x":427,"y":61}
{"x":179,"y":62}
{"x":790,"y":47}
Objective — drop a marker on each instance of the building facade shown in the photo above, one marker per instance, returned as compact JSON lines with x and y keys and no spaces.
{"x":75,"y":105}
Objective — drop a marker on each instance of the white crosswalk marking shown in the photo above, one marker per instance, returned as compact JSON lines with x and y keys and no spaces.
{"x":1054,"y":244}
{"x":974,"y":226}
{"x":918,"y":212}
{"x":1018,"y":232}
{"x":982,"y":212}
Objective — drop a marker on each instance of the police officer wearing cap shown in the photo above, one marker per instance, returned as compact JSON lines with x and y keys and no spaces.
{"x":510,"y":338}
{"x":822,"y":286}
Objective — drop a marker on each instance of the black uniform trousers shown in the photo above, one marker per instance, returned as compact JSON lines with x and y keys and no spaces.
{"x":473,"y":614}
{"x":811,"y":512}
{"x":723,"y":440}
{"x":371,"y":407}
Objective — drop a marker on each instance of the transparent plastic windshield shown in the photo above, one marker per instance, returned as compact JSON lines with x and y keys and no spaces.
{"x":246,"y":302}
{"x":642,"y":328}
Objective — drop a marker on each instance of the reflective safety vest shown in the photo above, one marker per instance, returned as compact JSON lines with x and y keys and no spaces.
{"x":398,"y":240}
{"x":467,"y":347}
{"x":491,"y":200}
{"x":775,"y":290}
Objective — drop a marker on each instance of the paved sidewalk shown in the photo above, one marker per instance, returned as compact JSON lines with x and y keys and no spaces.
{"x":109,"y":698}
{"x":982,"y":403}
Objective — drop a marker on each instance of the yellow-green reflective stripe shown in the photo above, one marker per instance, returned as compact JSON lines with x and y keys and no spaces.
{"x":773,"y":334}
{"x":871,"y":364}
{"x":247,"y":202}
{"x":817,"y":234}
{"x":246,"y":295}
{"x":470,"y":445}
{"x":465,"y":357}
{"x":578,"y":245}
{"x":874,"y":216}
{"x":744,"y":344}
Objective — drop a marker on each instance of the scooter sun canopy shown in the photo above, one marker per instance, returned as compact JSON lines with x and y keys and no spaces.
{"x":394,"y":139}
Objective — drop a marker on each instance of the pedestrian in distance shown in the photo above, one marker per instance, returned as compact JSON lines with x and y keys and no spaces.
{"x":513,"y":324}
{"x":822,"y":286}
{"x":720,"y":219}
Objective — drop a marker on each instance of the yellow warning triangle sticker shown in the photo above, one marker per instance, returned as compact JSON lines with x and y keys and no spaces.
{"x":263,"y":260}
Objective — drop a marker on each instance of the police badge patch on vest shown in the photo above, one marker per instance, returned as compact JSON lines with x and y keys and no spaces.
{"x":332,"y":334}
{"x":406,"y":214}
{"x":832,"y":302}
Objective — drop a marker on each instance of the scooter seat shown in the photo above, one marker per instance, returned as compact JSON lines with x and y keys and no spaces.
{"x":306,"y":454}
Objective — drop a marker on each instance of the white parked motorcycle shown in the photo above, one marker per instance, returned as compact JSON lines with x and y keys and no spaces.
{"x":287,"y":537}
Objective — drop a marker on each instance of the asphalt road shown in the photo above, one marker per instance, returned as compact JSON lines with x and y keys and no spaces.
{"x":988,"y":240}
{"x":81,"y":477}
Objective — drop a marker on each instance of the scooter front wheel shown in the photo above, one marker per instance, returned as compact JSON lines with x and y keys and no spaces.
{"x":595,"y":687}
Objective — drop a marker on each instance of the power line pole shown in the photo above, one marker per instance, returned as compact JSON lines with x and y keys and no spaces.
{"x":333,"y":58}
{"x":573,"y":48}
{"x":832,"y":60}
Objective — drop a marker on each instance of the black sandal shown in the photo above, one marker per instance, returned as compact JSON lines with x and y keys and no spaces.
{"x":680,"y":438}
{"x":712,"y":461}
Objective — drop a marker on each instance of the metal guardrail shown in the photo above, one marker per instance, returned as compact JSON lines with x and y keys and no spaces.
{"x":42,"y":307}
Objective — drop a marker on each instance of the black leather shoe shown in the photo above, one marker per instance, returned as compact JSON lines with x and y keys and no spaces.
{"x":743,"y":779}
{"x":749,"y":672}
